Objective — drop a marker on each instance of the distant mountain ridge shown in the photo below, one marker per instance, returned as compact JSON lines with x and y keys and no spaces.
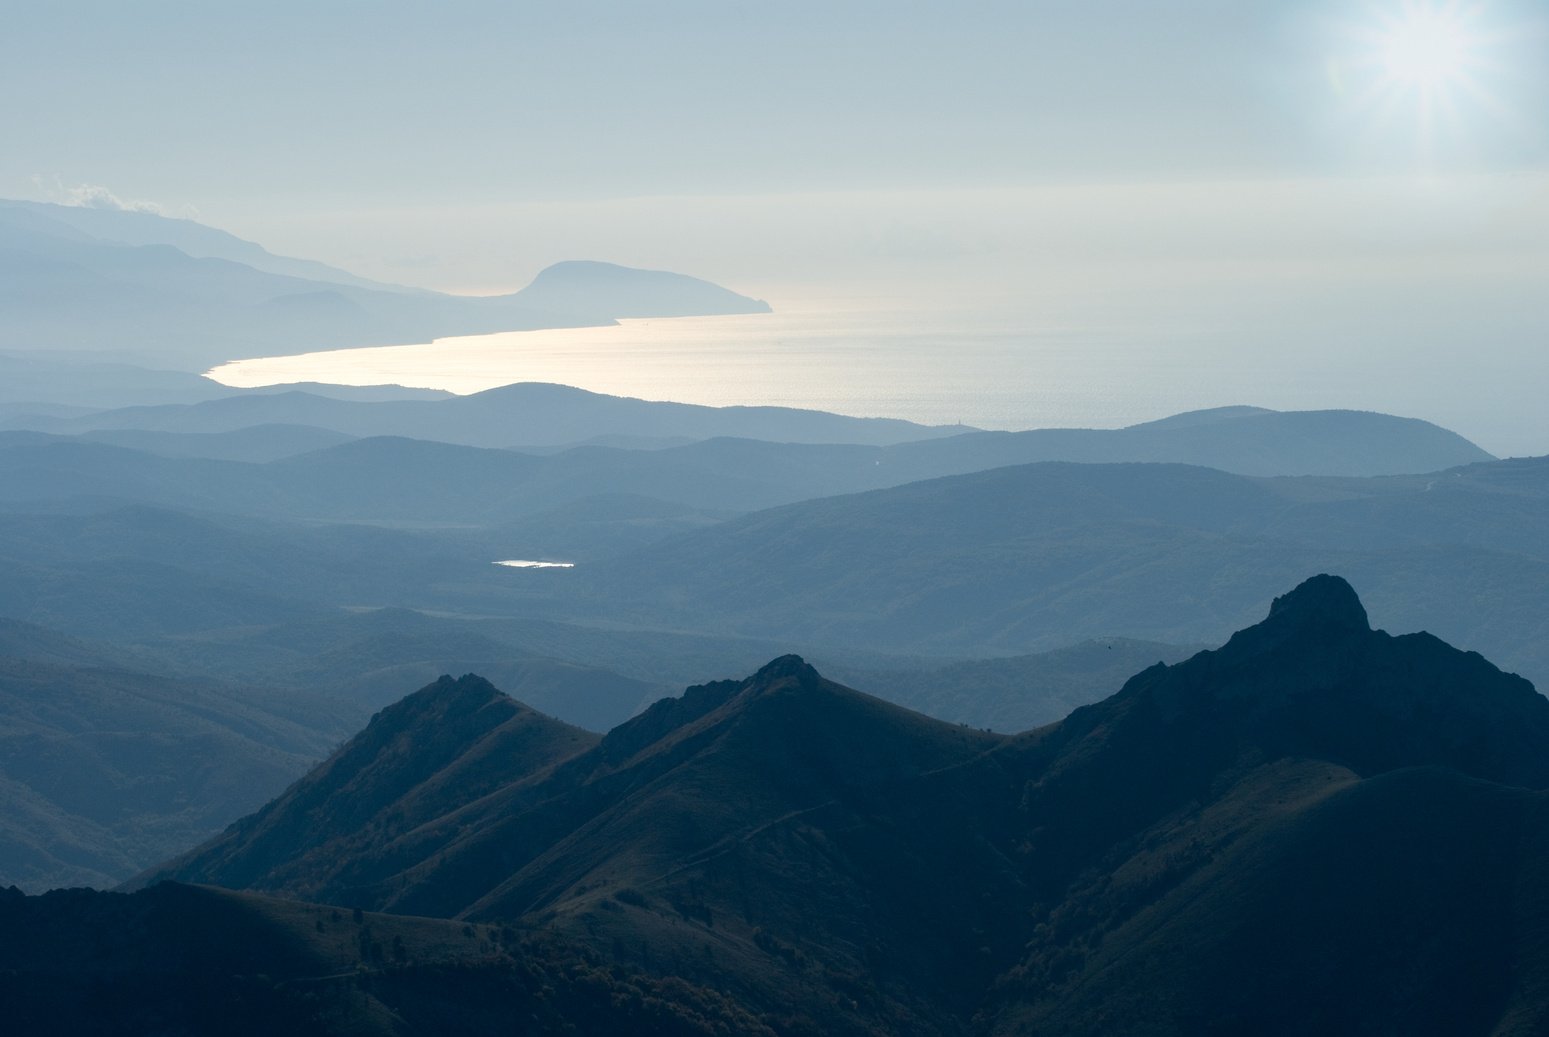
{"x":136,"y":285}
{"x":1018,"y":693}
{"x":137,"y":228}
{"x":1008,"y":561}
{"x":868,"y":870}
{"x":1033,"y":557}
{"x":531,"y":413}
{"x":610,"y":291}
{"x":806,"y":453}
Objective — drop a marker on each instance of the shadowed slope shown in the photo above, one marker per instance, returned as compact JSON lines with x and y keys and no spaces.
{"x":1182,"y":857}
{"x":731,"y":775}
{"x":1310,"y":829}
{"x":191,"y":960}
{"x":443,"y":746}
{"x":106,"y":768}
{"x":1403,"y":904}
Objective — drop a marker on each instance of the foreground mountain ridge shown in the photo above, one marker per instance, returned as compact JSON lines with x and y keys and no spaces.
{"x":443,"y":746}
{"x":797,"y":844}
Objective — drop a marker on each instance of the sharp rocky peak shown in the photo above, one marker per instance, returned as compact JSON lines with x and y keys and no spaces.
{"x":1323,"y":609}
{"x":670,"y":714}
{"x":1314,"y":680}
{"x":445,"y":694}
{"x":1321,"y":600}
{"x":786,"y":667}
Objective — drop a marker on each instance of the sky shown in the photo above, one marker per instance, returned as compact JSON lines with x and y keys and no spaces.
{"x":1375,"y":167}
{"x":464,"y":145}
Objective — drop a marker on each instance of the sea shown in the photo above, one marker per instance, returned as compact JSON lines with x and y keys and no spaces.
{"x":994,"y":364}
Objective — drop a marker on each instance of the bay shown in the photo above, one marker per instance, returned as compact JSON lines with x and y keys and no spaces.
{"x":1054,"y":360}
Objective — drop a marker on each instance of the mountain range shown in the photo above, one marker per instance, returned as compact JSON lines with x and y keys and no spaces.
{"x":322,"y":473}
{"x":1022,"y":797}
{"x":1317,"y":826}
{"x":351,"y":573}
{"x":155,"y":291}
{"x":530,"y":414}
{"x":1011,"y":560}
{"x":1033,"y":557}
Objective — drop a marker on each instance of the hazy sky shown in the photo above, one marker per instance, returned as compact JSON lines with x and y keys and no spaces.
{"x":464,"y":145}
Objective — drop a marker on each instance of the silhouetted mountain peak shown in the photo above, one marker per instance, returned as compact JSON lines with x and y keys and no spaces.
{"x":668,"y":715}
{"x":785,"y":711}
{"x":785,"y":668}
{"x":1321,"y":600}
{"x":1320,"y":613}
{"x":446,"y":744}
{"x":582,"y":270}
{"x":663,"y":717}
{"x":444,"y":700}
{"x":1314,"y":680}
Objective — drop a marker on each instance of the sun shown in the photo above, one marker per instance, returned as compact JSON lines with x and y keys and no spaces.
{"x":1438,"y":66}
{"x":1429,"y":49}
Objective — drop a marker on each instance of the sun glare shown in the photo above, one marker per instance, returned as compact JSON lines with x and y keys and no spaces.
{"x":1428,"y":49}
{"x":1439,"y":66}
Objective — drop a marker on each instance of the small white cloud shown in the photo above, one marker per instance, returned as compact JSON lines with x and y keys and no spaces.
{"x":91,"y":196}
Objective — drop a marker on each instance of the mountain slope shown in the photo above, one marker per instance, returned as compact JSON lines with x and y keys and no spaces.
{"x":396,"y":478}
{"x":1320,"y":837}
{"x":132,"y":227}
{"x":608,"y":291}
{"x":180,"y":959}
{"x":259,"y":443}
{"x":107,"y":768}
{"x":120,"y":573}
{"x":799,"y":454}
{"x":1035,"y":557}
{"x":660,"y":790}
{"x":1244,"y":440}
{"x":527,"y":413}
{"x":445,"y":745}
{"x":797,"y":844}
{"x":1022,"y":692}
{"x":1430,"y":940}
